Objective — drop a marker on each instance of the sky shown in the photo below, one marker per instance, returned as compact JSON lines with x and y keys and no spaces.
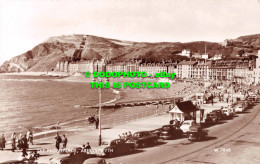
{"x":26,"y":23}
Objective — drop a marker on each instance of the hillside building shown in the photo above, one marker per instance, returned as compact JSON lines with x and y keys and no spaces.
{"x":186,"y":53}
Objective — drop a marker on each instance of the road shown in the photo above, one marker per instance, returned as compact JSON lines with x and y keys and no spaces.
{"x":238,"y":138}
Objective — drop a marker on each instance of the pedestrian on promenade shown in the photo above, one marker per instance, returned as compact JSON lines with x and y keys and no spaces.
{"x":24,"y":146}
{"x":126,"y":136}
{"x":58,"y":141}
{"x":97,"y":122}
{"x":88,"y":147}
{"x":29,"y":136}
{"x":123,"y":136}
{"x":2,"y":142}
{"x":83,"y":147}
{"x":202,"y":113}
{"x":65,"y":141}
{"x":13,"y":140}
{"x":19,"y":144}
{"x":129,"y":134}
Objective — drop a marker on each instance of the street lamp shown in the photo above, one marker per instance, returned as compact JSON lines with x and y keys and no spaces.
{"x":99,"y":113}
{"x":99,"y":117}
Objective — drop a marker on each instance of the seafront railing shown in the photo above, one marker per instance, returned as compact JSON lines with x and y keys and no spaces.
{"x":83,"y":125}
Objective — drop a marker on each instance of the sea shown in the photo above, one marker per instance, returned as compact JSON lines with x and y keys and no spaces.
{"x":38,"y":101}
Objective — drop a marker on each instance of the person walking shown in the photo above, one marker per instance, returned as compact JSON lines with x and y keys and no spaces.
{"x":97,"y":122}
{"x":24,"y":146}
{"x":28,"y":134}
{"x":88,"y":147}
{"x":2,"y":142}
{"x":30,"y":138}
{"x":202,"y":113}
{"x":65,"y":141}
{"x":19,"y":144}
{"x":13,"y":140}
{"x":58,"y":141}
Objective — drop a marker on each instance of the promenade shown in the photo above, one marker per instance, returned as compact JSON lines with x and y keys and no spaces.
{"x":89,"y":135}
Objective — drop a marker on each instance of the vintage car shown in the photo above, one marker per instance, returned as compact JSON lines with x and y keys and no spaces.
{"x":239,"y":108}
{"x":77,"y":156}
{"x":95,"y":161}
{"x":196,"y":132}
{"x":113,"y":148}
{"x":250,"y":101}
{"x":157,"y":132}
{"x":185,"y":126}
{"x":228,"y":112}
{"x":216,"y":115}
{"x":209,"y":120}
{"x":170,"y":132}
{"x":253,"y":97}
{"x":143,"y":138}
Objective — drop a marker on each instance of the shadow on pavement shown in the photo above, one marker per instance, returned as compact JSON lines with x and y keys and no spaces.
{"x":42,"y":144}
{"x":211,"y":138}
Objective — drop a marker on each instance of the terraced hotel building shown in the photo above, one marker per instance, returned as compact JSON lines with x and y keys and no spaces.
{"x":239,"y":70}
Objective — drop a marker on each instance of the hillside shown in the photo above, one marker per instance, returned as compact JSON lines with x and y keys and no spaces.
{"x":45,"y":56}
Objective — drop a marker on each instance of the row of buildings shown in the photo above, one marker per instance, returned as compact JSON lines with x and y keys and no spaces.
{"x":244,"y":71}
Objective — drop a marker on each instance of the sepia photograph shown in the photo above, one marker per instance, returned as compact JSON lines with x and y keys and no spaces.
{"x":129,"y":81}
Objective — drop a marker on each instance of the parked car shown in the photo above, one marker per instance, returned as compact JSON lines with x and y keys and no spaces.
{"x":95,"y":161}
{"x":170,"y":132}
{"x":113,"y":148}
{"x":209,"y":119}
{"x":239,"y":108}
{"x":157,"y":132}
{"x":253,"y":97}
{"x":185,"y":126}
{"x":216,"y":114}
{"x":77,"y":156}
{"x":250,"y":101}
{"x":228,"y":112}
{"x":143,"y":139}
{"x":196,"y":132}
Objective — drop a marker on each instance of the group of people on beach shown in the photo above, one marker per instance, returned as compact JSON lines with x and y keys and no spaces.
{"x":125,"y":135}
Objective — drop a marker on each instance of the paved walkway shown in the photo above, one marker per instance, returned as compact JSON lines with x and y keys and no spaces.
{"x":88,"y":135}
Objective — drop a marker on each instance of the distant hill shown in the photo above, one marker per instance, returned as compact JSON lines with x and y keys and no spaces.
{"x":45,"y":56}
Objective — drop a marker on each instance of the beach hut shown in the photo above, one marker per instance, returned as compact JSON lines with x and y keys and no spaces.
{"x":184,"y":110}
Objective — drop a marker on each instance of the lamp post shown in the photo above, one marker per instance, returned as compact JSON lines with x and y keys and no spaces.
{"x":99,"y":117}
{"x":99,"y":112}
